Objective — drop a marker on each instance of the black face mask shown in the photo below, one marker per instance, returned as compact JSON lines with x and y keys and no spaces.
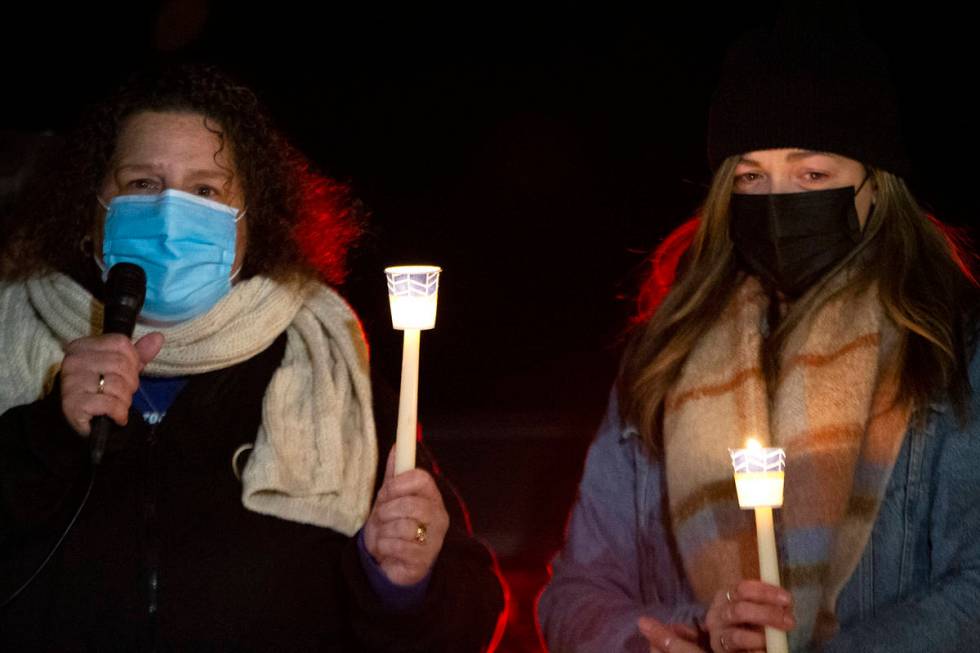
{"x":790,"y":240}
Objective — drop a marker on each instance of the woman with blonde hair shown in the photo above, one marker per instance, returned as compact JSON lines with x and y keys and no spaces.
{"x":817,"y":307}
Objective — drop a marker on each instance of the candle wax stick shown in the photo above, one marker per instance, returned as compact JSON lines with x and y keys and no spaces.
{"x":776,"y":641}
{"x":408,"y":398}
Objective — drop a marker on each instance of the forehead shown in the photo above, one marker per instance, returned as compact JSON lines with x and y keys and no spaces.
{"x":790,"y":155}
{"x":172,"y":139}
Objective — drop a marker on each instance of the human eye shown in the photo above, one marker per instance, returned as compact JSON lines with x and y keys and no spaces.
{"x":746,"y":179}
{"x":814,"y":176}
{"x":203,"y":190}
{"x":143,"y":185}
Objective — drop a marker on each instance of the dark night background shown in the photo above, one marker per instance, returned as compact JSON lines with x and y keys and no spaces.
{"x":536,"y":155}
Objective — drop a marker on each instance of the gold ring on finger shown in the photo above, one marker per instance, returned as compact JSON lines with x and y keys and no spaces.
{"x":101,"y":388}
{"x":420,"y":532}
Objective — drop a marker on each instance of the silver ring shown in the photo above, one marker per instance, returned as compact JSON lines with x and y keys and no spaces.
{"x":729,"y":597}
{"x":723,"y":642}
{"x":101,"y":388}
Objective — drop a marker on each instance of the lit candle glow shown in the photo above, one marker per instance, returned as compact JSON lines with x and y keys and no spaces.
{"x":759,"y":474}
{"x":413,"y":292}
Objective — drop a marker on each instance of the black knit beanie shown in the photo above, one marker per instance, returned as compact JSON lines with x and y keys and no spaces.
{"x":811,"y":81}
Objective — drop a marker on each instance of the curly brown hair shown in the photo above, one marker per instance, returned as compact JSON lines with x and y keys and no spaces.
{"x":301,"y":224}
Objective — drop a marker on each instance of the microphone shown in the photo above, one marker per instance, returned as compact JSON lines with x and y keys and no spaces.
{"x":125,"y":292}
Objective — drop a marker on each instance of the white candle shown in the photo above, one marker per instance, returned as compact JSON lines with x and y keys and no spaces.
{"x":759,"y":475}
{"x":413,"y":293}
{"x":408,"y":401}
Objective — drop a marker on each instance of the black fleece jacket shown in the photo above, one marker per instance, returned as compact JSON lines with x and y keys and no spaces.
{"x":165,"y":557}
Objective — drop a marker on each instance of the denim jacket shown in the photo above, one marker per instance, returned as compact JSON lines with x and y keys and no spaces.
{"x":916,"y":588}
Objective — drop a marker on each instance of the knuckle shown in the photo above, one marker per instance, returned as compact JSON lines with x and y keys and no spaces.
{"x":741,"y":612}
{"x":712,"y":620}
{"x":117,"y":341}
{"x":72,"y":363}
{"x":775,"y":615}
{"x":131,"y":382}
{"x":401,"y":507}
{"x":78,"y":344}
{"x":118,"y":361}
{"x":747,"y":588}
{"x":401,"y":549}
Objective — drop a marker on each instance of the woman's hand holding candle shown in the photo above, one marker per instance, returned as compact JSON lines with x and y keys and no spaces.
{"x":407,"y":525}
{"x":735,"y":621}
{"x":737,"y":616}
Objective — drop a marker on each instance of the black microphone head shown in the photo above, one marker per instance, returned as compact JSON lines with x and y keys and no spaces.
{"x":125,"y":292}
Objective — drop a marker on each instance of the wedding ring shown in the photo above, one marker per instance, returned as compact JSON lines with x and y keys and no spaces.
{"x":101,"y":389}
{"x":420,"y":533}
{"x":728,"y":595}
{"x":723,"y":642}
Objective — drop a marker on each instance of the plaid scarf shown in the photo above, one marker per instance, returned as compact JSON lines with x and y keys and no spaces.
{"x":834,"y":413}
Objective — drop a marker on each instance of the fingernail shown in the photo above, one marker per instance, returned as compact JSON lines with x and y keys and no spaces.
{"x":785,"y":598}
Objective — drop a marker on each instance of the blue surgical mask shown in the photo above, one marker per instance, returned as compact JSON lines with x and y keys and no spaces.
{"x":184,"y":243}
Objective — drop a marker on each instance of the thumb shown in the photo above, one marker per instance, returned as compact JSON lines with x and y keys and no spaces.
{"x":148,"y":347}
{"x":389,"y":473}
{"x":390,"y":465}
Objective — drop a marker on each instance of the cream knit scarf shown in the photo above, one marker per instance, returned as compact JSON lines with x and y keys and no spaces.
{"x":832,"y":411}
{"x":315,"y":452}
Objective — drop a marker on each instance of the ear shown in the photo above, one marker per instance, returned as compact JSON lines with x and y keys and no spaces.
{"x":87,"y":245}
{"x":873,"y":183}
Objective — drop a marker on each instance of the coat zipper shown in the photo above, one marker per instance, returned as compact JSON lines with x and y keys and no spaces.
{"x":152,"y":538}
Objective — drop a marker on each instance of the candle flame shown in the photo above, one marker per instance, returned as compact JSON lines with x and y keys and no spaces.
{"x":752,"y":443}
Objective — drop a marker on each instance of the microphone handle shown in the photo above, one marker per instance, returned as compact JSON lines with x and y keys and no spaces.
{"x":126,"y":290}
{"x":100,"y":427}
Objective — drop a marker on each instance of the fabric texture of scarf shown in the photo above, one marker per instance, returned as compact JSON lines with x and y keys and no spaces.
{"x":315,"y":453}
{"x":833,"y":411}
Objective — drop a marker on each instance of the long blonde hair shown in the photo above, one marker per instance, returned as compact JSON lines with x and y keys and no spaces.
{"x":925,"y":286}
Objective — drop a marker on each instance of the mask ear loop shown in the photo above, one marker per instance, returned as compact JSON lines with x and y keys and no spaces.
{"x":98,"y":260}
{"x":867,"y":176}
{"x":871,"y":209}
{"x":235,"y":273}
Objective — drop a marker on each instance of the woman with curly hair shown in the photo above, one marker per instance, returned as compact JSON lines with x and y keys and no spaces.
{"x":817,"y":308}
{"x":232,"y":505}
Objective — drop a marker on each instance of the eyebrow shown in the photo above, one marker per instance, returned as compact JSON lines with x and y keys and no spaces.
{"x":794,"y":156}
{"x":197,"y":173}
